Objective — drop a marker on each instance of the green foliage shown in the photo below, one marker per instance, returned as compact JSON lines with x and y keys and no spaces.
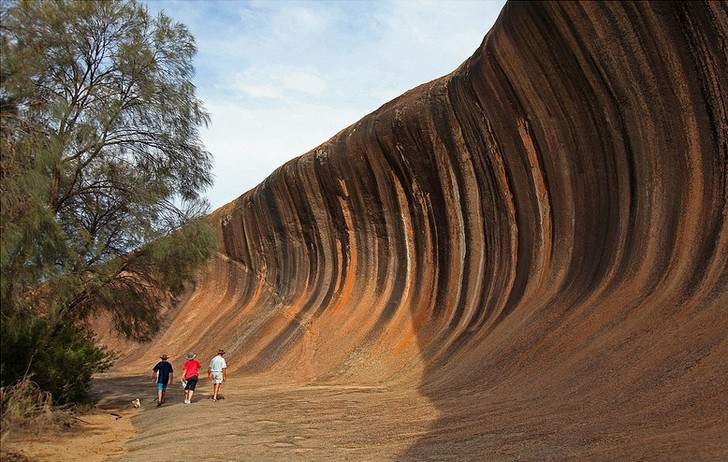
{"x":63,"y":360}
{"x":165,"y":263}
{"x":101,"y":175}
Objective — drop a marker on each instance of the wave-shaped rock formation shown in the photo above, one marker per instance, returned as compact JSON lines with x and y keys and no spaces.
{"x":537,"y":238}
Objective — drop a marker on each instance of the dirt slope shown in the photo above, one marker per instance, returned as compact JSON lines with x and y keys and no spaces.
{"x":530,"y":254}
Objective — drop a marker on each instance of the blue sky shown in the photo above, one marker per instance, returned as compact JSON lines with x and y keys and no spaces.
{"x":281,"y":77}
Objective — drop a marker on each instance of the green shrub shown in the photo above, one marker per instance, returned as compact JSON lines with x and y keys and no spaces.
{"x":61,"y":359}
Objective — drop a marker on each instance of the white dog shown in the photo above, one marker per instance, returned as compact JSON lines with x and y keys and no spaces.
{"x":136,"y":403}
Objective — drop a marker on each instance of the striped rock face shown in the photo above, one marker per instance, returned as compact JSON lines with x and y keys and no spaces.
{"x":545,"y":223}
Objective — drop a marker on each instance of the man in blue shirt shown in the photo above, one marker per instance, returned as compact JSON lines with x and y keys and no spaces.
{"x":162,"y":374}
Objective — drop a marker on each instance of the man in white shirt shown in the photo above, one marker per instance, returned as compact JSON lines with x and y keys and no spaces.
{"x":218,"y":372}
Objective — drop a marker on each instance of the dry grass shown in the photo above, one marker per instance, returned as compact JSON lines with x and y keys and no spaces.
{"x":25,"y":405}
{"x":28,"y":409}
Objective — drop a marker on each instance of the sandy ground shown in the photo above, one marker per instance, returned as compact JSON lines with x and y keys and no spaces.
{"x":274,"y":422}
{"x":264,"y":421}
{"x":98,"y":436}
{"x":255,"y":421}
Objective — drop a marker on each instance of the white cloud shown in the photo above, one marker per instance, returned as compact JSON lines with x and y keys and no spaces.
{"x":297,"y":17}
{"x":304,"y":82}
{"x":284,"y":83}
{"x":259,"y":91}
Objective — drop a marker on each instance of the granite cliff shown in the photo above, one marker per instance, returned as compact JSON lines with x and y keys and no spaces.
{"x":539,"y":236}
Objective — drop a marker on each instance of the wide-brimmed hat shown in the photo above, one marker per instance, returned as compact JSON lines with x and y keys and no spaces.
{"x":163,"y":357}
{"x":191,"y":355}
{"x":221,"y":351}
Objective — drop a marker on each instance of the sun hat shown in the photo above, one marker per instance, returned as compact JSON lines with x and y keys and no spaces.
{"x":221,"y":351}
{"x":191,"y":355}
{"x":163,"y":357}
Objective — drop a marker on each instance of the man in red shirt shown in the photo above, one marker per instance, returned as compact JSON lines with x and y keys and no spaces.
{"x":190,"y":373}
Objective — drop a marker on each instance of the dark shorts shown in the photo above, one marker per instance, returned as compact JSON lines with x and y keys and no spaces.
{"x":191,"y":383}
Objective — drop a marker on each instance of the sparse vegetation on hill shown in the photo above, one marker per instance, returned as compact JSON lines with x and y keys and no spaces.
{"x":101,"y":174}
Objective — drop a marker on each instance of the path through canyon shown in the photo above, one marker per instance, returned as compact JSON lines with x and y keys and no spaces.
{"x":526,"y":259}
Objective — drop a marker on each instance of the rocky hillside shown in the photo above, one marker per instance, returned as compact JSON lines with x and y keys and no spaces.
{"x":545,"y":226}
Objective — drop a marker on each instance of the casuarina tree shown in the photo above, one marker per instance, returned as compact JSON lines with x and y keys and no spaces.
{"x":102,"y":174}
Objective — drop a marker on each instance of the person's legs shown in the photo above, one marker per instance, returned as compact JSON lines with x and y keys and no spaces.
{"x":216,"y":382}
{"x":191,"y":384}
{"x":160,"y":394}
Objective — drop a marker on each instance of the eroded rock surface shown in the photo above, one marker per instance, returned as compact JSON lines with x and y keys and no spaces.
{"x":536,"y":241}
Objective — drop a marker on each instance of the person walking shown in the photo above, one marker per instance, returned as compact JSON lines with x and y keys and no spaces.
{"x":217,"y":370}
{"x":162,"y":375}
{"x":191,"y":371}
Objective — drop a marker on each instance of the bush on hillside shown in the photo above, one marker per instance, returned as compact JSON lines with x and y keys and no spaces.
{"x":63,"y":359}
